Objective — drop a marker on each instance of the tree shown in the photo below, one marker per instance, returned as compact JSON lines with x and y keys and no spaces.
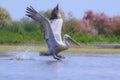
{"x":4,"y":17}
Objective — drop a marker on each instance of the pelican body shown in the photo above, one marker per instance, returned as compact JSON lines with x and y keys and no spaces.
{"x":52,"y":32}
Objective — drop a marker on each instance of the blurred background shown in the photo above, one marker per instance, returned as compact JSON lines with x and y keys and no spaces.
{"x":86,"y":21}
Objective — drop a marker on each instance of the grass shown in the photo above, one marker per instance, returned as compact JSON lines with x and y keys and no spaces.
{"x":30,"y":32}
{"x":90,"y":38}
{"x":27,"y":37}
{"x":21,"y":32}
{"x":37,"y":37}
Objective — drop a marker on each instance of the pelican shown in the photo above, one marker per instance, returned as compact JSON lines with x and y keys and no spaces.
{"x":52,"y":32}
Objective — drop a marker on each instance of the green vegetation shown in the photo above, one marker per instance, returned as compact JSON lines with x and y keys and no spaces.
{"x":92,"y":28}
{"x":21,"y":32}
{"x":90,"y":38}
{"x":30,"y":32}
{"x":4,"y":17}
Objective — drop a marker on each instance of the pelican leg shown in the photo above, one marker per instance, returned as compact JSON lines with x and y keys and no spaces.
{"x":59,"y":50}
{"x":61,"y":56}
{"x":55,"y":56}
{"x":44,"y":54}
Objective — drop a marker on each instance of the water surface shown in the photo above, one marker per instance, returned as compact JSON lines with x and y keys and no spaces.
{"x":76,"y":66}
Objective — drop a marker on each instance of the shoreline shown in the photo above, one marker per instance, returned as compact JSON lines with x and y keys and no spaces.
{"x":84,"y":48}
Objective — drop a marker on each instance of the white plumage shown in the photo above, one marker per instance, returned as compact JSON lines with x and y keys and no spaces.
{"x":52,"y":32}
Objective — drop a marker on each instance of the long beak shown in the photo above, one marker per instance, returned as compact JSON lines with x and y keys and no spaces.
{"x":70,"y":40}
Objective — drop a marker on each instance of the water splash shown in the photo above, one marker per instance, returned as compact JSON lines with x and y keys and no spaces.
{"x":23,"y":53}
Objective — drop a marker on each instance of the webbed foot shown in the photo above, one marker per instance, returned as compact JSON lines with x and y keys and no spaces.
{"x":56,"y":57}
{"x":61,"y":56}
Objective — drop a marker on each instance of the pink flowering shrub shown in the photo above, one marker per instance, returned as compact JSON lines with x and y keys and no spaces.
{"x":95,"y":23}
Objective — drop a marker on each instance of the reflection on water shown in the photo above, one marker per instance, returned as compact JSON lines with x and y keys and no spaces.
{"x":75,"y":66}
{"x":52,"y":62}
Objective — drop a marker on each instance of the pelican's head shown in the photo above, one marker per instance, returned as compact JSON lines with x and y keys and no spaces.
{"x":55,"y":14}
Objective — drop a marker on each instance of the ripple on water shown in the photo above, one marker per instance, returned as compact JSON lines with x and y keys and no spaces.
{"x":75,"y":66}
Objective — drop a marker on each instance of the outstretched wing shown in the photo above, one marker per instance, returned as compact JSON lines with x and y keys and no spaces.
{"x":32,"y":13}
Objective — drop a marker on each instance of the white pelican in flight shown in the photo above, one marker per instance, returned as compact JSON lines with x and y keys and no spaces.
{"x":52,"y":32}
